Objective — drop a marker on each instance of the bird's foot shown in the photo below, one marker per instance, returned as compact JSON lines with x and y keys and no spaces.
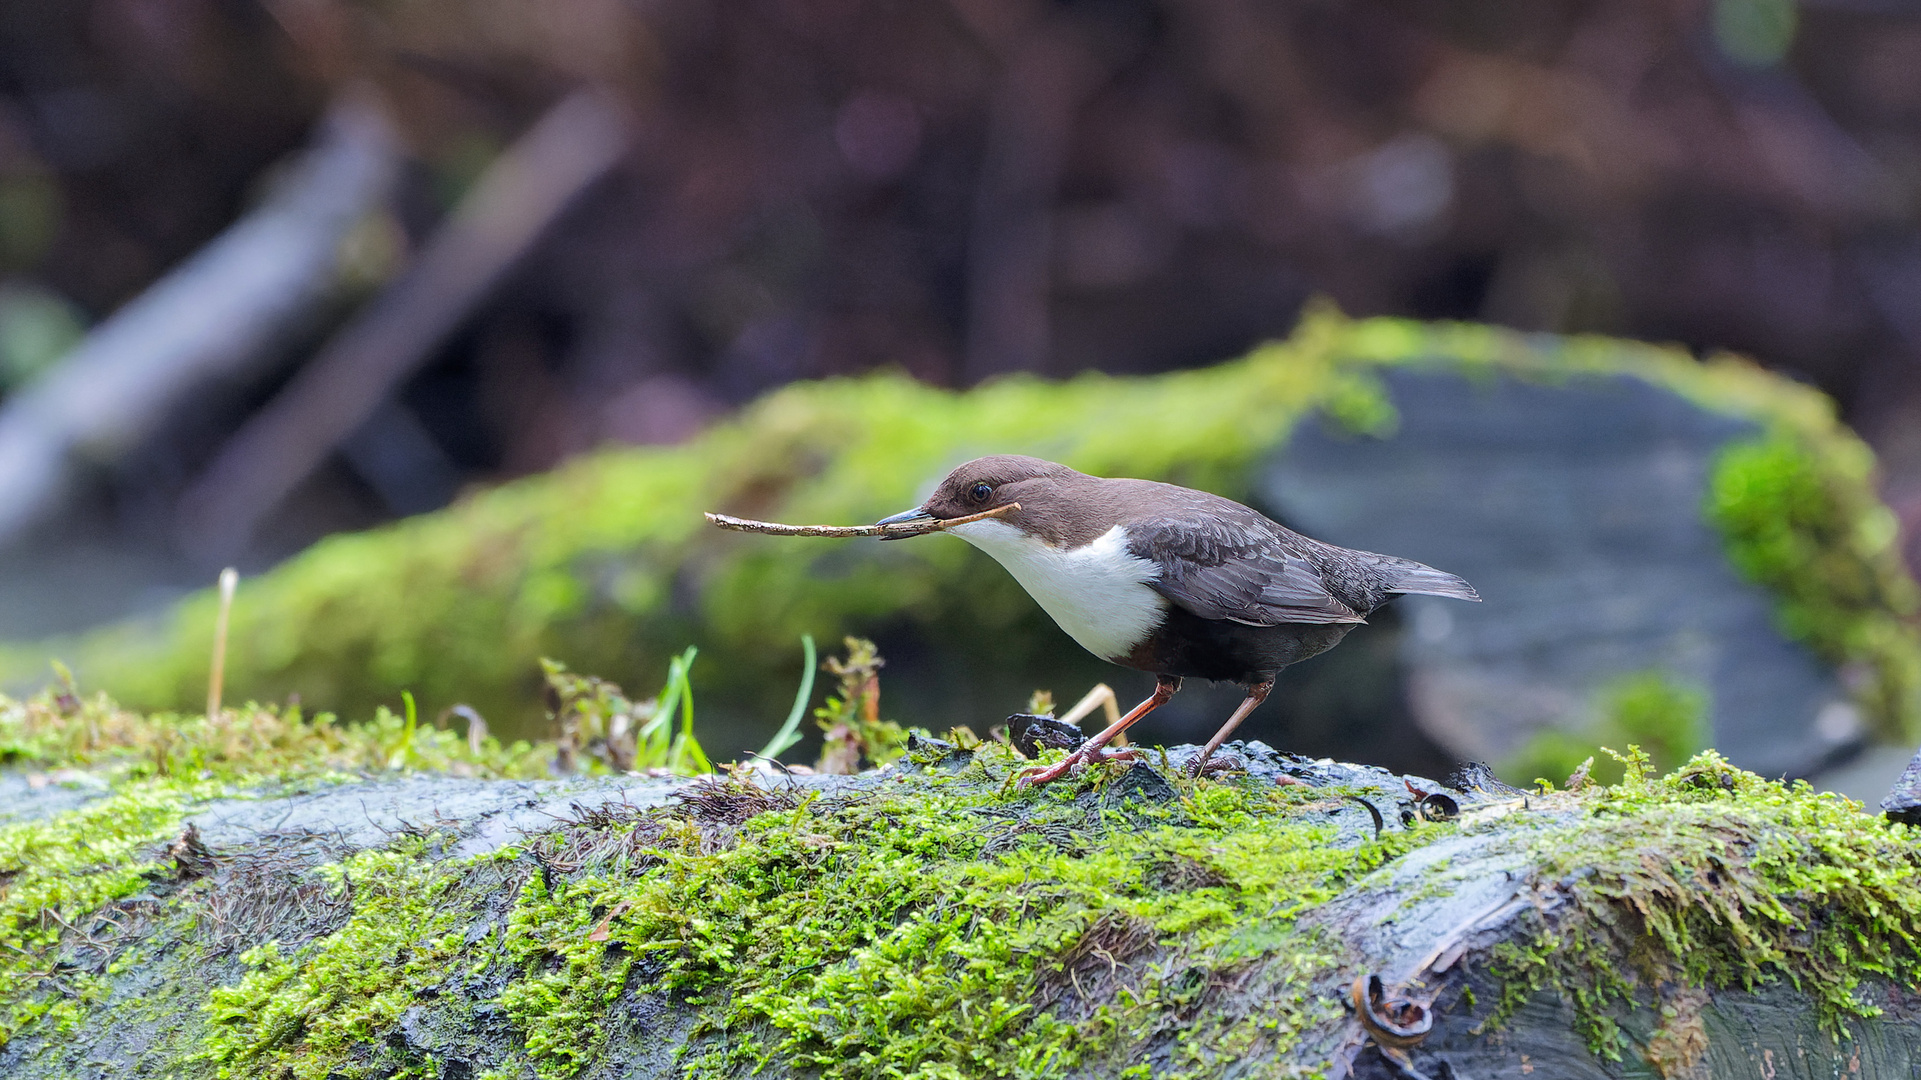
{"x":1036,"y":775}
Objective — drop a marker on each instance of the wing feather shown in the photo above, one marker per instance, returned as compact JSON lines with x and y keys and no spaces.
{"x":1229,"y":568}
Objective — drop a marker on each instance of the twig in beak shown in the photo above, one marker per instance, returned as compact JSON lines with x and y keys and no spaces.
{"x":885,"y":532}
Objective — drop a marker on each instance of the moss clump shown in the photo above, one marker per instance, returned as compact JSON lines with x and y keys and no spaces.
{"x":334,"y":999}
{"x":607,"y":564}
{"x":1801,"y":518}
{"x":917,"y":926}
{"x":930,"y":926}
{"x":933,"y":933}
{"x":60,"y":728}
{"x":1649,"y":709}
{"x":59,"y":876}
{"x":937,"y":924}
{"x":56,"y":878}
{"x":1714,"y":877}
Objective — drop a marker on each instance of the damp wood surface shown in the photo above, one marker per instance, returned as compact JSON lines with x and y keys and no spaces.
{"x":929,"y":919}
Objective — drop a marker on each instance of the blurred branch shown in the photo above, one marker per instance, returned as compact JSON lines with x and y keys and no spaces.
{"x":509,"y":209}
{"x":218,"y":315}
{"x":1811,"y":156}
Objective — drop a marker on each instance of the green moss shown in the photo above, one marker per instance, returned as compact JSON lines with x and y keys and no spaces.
{"x":1801,"y":518}
{"x":1714,"y":877}
{"x":1648,"y":709}
{"x":55,"y":876}
{"x":60,"y":728}
{"x":924,"y":927}
{"x":932,"y":927}
{"x":941,"y":925}
{"x":329,"y":1003}
{"x":58,"y":875}
{"x":933,"y":933}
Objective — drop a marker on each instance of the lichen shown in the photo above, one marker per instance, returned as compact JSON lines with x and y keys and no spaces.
{"x":606,"y":563}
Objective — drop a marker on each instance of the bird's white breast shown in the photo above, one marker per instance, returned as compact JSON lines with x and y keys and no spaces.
{"x":1098,"y":592}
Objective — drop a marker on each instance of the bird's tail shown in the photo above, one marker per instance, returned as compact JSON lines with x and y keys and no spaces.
{"x":1407,"y":576}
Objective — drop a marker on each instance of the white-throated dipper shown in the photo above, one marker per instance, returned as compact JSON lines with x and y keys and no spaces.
{"x":1170,"y":580}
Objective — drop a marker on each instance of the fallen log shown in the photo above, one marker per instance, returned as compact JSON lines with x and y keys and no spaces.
{"x":1292,"y":917}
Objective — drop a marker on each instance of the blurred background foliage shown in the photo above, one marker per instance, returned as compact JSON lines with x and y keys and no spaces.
{"x":950,"y":191}
{"x":607,"y":563}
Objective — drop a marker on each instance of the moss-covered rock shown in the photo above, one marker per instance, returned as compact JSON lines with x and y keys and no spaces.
{"x":607,"y":565}
{"x":929,"y":920}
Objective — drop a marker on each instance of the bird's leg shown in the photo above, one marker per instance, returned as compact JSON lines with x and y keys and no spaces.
{"x":1256,"y":694}
{"x":1102,"y":697}
{"x":1164,"y":688}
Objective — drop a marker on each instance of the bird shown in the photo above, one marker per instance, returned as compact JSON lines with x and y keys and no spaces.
{"x":1165,"y":579}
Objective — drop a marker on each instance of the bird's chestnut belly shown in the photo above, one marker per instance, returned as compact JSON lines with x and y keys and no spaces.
{"x":1225,"y":651}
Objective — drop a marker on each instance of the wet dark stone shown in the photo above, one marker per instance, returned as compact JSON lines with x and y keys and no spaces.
{"x":1142,"y":782}
{"x":1029,"y":733}
{"x":1575,"y":508}
{"x":1903,"y":804}
{"x":937,"y":755}
{"x":1478,"y":778}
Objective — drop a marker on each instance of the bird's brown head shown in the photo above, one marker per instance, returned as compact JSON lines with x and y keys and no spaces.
{"x":989,"y":482}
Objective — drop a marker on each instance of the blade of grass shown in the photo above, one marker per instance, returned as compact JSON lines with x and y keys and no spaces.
{"x":685,"y":745}
{"x":654,"y":744}
{"x":789,"y":733}
{"x":664,"y":705}
{"x":405,"y":750}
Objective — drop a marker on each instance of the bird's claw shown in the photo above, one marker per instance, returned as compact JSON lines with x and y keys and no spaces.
{"x":1035,"y":775}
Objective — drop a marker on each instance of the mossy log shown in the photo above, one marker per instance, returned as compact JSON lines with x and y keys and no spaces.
{"x":931,"y":920}
{"x":608,"y":565}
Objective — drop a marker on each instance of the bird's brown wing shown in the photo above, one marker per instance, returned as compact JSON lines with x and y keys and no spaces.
{"x":1225,"y":568}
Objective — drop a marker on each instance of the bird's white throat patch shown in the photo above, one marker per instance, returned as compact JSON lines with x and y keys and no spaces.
{"x":1097,"y":592}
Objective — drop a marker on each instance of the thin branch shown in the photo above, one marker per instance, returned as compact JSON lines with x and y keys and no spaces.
{"x":508,"y":211}
{"x":219,"y":316}
{"x":885,"y":532}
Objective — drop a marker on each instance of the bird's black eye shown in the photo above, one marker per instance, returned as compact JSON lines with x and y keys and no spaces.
{"x":980,"y":492}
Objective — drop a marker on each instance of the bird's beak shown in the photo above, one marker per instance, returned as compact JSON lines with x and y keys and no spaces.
{"x":916,"y":516}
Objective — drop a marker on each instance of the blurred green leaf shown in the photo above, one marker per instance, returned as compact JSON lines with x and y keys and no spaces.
{"x":1755,"y":32}
{"x":37,"y":328}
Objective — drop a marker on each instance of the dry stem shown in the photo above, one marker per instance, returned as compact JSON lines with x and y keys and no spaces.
{"x":217,"y":670}
{"x":885,"y":532}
